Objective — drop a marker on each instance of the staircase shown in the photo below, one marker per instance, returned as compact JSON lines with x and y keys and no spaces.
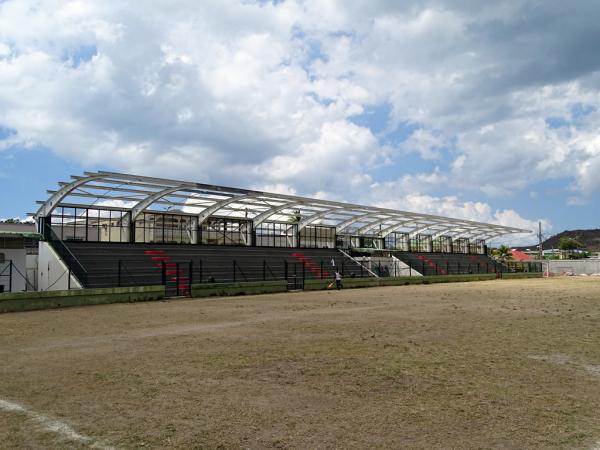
{"x":449,"y":263}
{"x":175,"y":278}
{"x":309,"y":263}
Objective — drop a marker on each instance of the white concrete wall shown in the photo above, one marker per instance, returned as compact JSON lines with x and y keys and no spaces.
{"x":575,"y":266}
{"x":403,"y":270}
{"x":18,"y":258}
{"x":52,"y":272}
{"x":395,"y":266}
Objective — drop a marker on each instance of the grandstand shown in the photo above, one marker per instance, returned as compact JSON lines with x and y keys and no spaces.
{"x":111,"y":229}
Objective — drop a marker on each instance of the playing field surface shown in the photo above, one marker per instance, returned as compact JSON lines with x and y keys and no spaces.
{"x":498,"y":364}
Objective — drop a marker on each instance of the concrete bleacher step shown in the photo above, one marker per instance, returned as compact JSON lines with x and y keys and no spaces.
{"x":143,"y":263}
{"x":447,"y":263}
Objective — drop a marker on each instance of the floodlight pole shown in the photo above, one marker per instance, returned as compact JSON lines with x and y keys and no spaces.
{"x":540,"y":238}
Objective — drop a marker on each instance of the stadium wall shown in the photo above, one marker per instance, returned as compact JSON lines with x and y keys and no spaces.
{"x":349,"y":283}
{"x":30,"y":301}
{"x":572,"y":266}
{"x":242,"y":288}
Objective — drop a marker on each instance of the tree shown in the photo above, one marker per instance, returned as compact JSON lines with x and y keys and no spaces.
{"x":567,"y":243}
{"x":502,"y":253}
{"x":570,"y":248}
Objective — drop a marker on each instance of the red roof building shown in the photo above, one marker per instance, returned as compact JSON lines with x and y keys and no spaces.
{"x":520,"y":256}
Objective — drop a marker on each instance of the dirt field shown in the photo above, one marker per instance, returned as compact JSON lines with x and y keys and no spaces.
{"x":498,"y":364}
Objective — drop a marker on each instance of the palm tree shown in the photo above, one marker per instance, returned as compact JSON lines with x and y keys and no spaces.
{"x":295,"y":216}
{"x":502,"y":253}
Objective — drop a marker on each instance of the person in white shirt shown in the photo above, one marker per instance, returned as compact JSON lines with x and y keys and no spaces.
{"x":338,"y":280}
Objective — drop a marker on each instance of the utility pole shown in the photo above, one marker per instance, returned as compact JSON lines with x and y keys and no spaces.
{"x":540,"y":238}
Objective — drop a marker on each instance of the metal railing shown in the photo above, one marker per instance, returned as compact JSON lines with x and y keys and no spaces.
{"x":363,"y":268}
{"x":430,"y":267}
{"x":524,"y":266}
{"x":141,"y":271}
{"x":6,"y":272}
{"x":127,"y":276}
{"x":9,"y":270}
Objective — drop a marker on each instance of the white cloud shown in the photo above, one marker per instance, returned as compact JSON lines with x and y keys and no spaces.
{"x":337,"y":157}
{"x":401,"y":195}
{"x":262,"y":94}
{"x":428,"y":144}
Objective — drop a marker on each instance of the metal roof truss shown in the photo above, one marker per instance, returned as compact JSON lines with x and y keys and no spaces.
{"x":141,"y":194}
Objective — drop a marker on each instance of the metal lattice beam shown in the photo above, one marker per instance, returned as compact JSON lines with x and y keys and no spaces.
{"x":373,"y":225}
{"x":49,"y":205}
{"x":316,"y":216}
{"x":274,"y":210}
{"x":386,"y":231}
{"x":418,"y":230}
{"x":341,"y":227}
{"x":109,"y":190}
{"x":218,"y":205}
{"x":141,"y":206}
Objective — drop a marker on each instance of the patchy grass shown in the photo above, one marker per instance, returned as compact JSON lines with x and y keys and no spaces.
{"x":498,"y":364}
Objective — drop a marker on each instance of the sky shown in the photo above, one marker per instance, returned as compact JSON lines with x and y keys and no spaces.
{"x":487,"y":111}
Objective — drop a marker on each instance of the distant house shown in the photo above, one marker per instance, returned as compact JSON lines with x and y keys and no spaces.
{"x":518,"y":255}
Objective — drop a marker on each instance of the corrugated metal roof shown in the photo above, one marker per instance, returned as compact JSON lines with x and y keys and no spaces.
{"x":18,"y":227}
{"x":20,"y":234}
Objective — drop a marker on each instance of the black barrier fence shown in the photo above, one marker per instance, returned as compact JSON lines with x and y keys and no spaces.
{"x":447,"y":268}
{"x":182,"y":274}
{"x":524,"y":266}
{"x":6,"y":276}
{"x":10,"y":276}
{"x":458,"y":268}
{"x":453,"y":264}
{"x":295,"y":274}
{"x":176,"y":276}
{"x":179,"y":275}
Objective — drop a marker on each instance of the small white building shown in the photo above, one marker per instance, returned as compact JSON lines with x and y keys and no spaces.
{"x":18,"y":257}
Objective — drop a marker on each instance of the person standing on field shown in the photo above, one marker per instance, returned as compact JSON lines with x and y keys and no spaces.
{"x":338,"y":280}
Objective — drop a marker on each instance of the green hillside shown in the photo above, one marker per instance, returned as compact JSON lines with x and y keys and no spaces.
{"x":589,"y":239}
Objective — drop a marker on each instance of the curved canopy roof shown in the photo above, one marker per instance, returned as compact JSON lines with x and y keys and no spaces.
{"x":141,"y":194}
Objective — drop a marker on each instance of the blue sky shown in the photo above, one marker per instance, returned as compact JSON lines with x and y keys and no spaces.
{"x":454,"y":108}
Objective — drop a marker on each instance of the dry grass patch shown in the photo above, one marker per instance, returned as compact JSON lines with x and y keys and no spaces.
{"x":499,"y":364}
